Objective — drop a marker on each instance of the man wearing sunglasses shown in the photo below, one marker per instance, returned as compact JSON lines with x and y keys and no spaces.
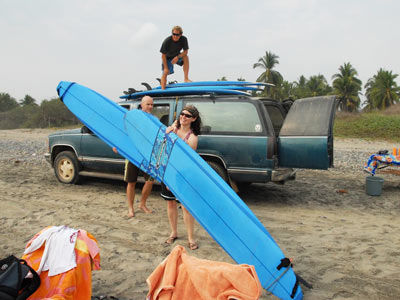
{"x":171,"y":54}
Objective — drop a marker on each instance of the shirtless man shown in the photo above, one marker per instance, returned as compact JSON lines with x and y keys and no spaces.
{"x":132,"y":172}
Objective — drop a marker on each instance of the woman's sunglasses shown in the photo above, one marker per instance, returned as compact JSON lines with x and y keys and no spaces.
{"x":176,"y":34}
{"x":186,"y":115}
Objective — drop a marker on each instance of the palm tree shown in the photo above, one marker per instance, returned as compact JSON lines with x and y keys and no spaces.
{"x":285,"y":90}
{"x":382,"y":90}
{"x":347,"y":87}
{"x":300,"y":88}
{"x":318,"y":86}
{"x":267,"y":63}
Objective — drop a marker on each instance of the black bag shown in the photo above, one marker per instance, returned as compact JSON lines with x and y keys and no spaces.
{"x":13,"y":284}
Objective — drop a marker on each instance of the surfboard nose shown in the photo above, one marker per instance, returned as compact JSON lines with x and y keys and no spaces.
{"x":63,"y":87}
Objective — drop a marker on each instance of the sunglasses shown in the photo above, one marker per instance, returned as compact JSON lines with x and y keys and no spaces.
{"x":186,"y":115}
{"x":176,"y":34}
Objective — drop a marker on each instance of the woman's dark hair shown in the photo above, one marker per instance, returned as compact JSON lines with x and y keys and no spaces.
{"x":195,"y":126}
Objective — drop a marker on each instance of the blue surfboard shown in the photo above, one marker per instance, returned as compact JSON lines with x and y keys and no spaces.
{"x":180,"y":91}
{"x":141,"y":138}
{"x":216,"y":83}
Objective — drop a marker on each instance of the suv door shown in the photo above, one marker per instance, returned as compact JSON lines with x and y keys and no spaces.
{"x":276,"y":113}
{"x":306,"y":137}
{"x":97,"y":156}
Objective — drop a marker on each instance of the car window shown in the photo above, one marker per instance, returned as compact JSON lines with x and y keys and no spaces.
{"x":276,"y":117}
{"x":228,"y":117}
{"x":161,"y":111}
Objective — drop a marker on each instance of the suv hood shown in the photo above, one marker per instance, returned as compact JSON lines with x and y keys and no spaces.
{"x":66,"y":132}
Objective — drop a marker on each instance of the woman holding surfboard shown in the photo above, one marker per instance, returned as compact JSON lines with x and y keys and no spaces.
{"x":187,"y":127}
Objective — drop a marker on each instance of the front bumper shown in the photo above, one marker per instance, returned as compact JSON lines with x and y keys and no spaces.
{"x":47,"y":156}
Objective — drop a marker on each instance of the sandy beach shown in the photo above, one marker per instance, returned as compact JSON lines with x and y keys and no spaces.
{"x":344,"y":242}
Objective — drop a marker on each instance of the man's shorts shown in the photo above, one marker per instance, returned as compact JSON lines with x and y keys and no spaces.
{"x":171,"y":66}
{"x":132,"y":172}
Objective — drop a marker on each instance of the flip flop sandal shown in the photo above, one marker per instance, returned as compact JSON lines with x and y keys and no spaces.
{"x":170,"y":240}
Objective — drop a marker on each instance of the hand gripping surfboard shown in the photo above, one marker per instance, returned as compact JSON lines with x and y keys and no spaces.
{"x":141,"y":138}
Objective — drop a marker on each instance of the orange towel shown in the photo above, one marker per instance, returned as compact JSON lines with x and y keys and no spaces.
{"x":181,"y":276}
{"x":76,"y":284}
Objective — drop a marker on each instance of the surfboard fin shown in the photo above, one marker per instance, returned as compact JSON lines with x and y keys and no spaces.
{"x":148,"y":87}
{"x":130,"y":91}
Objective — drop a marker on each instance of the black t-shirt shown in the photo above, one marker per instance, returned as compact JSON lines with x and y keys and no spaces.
{"x":171,"y":48}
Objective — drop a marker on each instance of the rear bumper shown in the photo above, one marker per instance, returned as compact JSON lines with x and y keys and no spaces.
{"x":252,"y":175}
{"x":283,"y":174}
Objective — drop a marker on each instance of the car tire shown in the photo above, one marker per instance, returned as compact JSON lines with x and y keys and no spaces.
{"x":219,"y":170}
{"x":66,"y":167}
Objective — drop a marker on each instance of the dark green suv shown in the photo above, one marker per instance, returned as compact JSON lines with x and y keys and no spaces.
{"x":244,"y":139}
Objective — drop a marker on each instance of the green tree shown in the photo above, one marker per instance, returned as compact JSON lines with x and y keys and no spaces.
{"x":317,"y":86}
{"x":7,"y":102}
{"x":382,"y":90}
{"x":28,"y":100}
{"x":347,"y":87}
{"x":300,"y":88}
{"x":20,"y":117}
{"x":223,"y":78}
{"x":268,"y":63}
{"x":286,"y":90}
{"x":241,"y":79}
{"x":54,"y":113}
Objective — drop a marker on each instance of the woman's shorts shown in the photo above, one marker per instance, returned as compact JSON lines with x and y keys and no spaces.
{"x":166,"y":194}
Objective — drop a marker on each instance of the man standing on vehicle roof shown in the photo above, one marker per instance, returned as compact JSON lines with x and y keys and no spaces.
{"x":171,"y":54}
{"x":132,"y":172}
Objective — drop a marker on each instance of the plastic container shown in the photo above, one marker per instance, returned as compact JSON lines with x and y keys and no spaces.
{"x":374,"y":185}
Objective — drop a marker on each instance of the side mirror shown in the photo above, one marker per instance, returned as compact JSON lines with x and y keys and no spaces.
{"x":84,"y":129}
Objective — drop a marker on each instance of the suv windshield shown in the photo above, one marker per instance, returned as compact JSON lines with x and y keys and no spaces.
{"x":228,"y":117}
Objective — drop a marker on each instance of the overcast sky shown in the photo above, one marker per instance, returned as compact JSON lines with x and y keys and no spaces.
{"x":110,"y":45}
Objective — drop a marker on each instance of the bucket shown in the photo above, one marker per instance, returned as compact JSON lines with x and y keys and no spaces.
{"x":374,"y":185}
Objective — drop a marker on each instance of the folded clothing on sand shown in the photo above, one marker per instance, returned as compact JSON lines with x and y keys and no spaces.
{"x":58,"y":255}
{"x":76,"y":283}
{"x":181,"y":276}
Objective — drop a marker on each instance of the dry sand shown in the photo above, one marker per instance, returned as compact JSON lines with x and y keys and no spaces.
{"x":344,"y":242}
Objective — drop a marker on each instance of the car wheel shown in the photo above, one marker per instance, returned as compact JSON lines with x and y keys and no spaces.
{"x":66,"y":167}
{"x":219,"y":169}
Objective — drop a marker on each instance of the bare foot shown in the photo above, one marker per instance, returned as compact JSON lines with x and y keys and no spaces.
{"x":187,"y":80}
{"x":131,"y":214}
{"x":193,"y":245}
{"x":145,"y":209}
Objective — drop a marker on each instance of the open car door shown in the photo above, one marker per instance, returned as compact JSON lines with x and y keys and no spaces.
{"x":306,"y":138}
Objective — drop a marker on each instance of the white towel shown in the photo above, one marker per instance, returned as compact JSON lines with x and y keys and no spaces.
{"x":59,"y":252}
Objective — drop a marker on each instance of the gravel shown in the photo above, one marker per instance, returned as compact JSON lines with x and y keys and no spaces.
{"x":30,"y":145}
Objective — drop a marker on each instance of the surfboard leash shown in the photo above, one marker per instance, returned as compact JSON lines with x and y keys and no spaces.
{"x":287,"y":263}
